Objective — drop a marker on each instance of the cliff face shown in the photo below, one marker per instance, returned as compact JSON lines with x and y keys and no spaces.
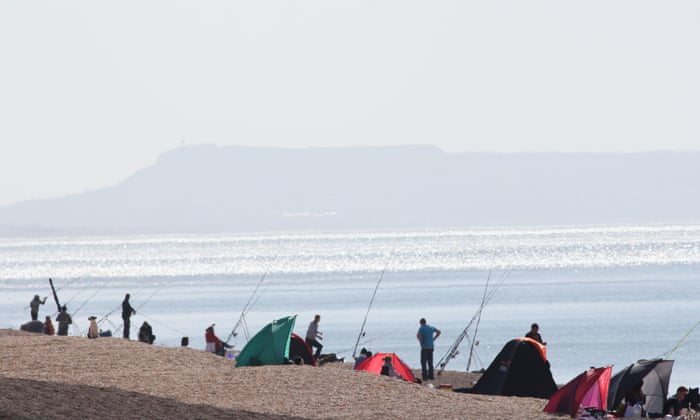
{"x":211,"y":188}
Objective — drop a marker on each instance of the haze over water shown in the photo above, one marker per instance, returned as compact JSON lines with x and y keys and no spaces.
{"x":601,"y":294}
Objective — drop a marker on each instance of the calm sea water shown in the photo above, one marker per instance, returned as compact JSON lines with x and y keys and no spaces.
{"x":605,"y":295}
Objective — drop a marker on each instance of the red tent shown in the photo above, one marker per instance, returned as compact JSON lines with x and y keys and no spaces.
{"x":299,"y":348}
{"x":587,"y":390}
{"x":374,"y":364}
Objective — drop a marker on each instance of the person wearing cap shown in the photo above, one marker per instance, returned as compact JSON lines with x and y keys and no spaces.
{"x":427,"y":334}
{"x":534,"y":334}
{"x":127,"y":311}
{"x":93,"y":331}
{"x":64,"y":320}
{"x":34,"y":307}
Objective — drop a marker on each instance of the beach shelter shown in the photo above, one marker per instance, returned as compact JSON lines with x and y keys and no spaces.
{"x":299,"y":348}
{"x":269,"y":346}
{"x":520,"y":369}
{"x":655,"y":374}
{"x":374,"y":364}
{"x":587,"y":390}
{"x":33,"y":326}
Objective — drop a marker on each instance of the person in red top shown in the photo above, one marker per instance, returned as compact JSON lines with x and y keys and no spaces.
{"x":48,"y":326}
{"x":214,"y":344}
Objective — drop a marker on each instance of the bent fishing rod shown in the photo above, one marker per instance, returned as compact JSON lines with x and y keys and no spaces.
{"x":478,"y":320}
{"x":249,"y":304}
{"x":454,"y":348}
{"x":137,"y":309}
{"x":371,"y":301}
{"x":89,"y":299}
{"x":104,"y":318}
{"x":670,"y":352}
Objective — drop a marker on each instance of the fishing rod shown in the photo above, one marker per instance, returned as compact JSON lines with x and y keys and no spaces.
{"x":104,"y":318}
{"x":55,"y":295}
{"x":667,"y":355}
{"x":162,"y":324}
{"x":89,"y":299}
{"x":364,"y":322}
{"x":66,"y":303}
{"x":137,"y":309}
{"x":371,"y":340}
{"x":241,"y":319}
{"x":454,"y":348}
{"x":149,"y":298}
{"x":68,"y":284}
{"x":55,"y":290}
{"x":478,"y":320}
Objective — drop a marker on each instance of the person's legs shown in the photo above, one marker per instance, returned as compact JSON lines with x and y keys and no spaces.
{"x":35,"y":315}
{"x":424,"y":364}
{"x":431,"y":376}
{"x":127,"y":327}
{"x":314,"y":343}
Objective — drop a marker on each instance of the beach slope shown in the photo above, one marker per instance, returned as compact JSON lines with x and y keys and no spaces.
{"x":69,"y":377}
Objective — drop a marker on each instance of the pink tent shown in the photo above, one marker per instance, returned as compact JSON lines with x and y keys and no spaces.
{"x":587,"y":390}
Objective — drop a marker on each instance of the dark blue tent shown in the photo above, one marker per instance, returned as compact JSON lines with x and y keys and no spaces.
{"x":520,"y":369}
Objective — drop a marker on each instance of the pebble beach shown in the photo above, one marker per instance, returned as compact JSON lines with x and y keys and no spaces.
{"x":112,"y":378}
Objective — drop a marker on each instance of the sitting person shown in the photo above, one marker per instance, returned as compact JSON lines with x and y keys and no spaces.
{"x":214,"y":344}
{"x":146,"y":333}
{"x":364,"y":355}
{"x":674,"y":405}
{"x":633,"y":398}
{"x":93,"y":331}
{"x":48,"y":326}
{"x":635,"y":395}
{"x":388,"y":368}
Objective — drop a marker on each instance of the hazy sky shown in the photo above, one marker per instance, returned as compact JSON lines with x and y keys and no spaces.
{"x":91,"y":91}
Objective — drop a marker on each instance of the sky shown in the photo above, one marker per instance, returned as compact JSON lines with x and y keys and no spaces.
{"x":92,"y":91}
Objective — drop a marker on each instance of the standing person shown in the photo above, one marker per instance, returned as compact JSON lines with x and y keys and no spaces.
{"x":48,"y":326}
{"x":535,"y":334}
{"x":313,"y":335}
{"x":93,"y":331}
{"x":127,"y":311}
{"x":64,"y":320}
{"x":427,"y":335}
{"x":34,"y":305}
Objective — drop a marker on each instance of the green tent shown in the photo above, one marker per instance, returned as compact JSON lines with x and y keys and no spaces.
{"x":270,"y":346}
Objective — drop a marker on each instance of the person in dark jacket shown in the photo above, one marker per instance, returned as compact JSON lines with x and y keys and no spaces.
{"x":146,"y":333}
{"x":535,"y":334}
{"x":127,"y":311}
{"x":34,"y":307}
{"x":64,"y":320}
{"x":674,"y":405}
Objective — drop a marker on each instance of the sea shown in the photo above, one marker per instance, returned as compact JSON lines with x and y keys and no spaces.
{"x":602,"y":295}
